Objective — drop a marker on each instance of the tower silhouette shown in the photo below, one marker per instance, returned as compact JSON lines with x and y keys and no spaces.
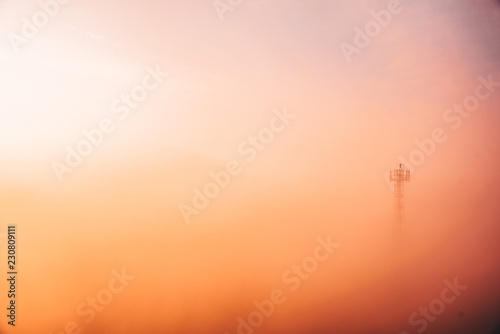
{"x":399,"y":177}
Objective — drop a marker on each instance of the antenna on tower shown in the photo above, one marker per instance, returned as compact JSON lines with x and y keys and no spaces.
{"x":399,"y":177}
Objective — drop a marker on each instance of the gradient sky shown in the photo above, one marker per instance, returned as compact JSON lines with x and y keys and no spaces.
{"x":323,"y":175}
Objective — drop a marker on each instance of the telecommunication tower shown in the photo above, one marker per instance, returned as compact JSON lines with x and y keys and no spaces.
{"x":399,"y":177}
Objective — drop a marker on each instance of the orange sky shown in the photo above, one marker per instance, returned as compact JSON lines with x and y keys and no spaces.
{"x":322,"y":175}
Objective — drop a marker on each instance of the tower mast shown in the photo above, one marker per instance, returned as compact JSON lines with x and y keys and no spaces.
{"x":399,"y":177}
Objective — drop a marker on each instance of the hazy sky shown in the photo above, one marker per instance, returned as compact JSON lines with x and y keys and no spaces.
{"x":222,"y":80}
